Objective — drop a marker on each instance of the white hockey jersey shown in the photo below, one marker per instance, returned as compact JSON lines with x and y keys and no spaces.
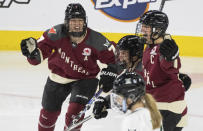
{"x":139,"y":120}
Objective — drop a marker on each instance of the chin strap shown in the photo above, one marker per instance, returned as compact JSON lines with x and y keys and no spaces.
{"x":134,"y":65}
{"x":130,"y":106}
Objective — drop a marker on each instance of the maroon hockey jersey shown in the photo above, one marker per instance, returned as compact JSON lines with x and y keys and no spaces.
{"x":162,"y":80}
{"x":68,"y":63}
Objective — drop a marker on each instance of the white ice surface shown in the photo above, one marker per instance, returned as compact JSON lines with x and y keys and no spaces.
{"x":21,"y":87}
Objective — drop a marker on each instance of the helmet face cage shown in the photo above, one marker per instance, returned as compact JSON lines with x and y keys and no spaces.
{"x":118,"y":103}
{"x":129,"y":85}
{"x":157,"y":20}
{"x":75,"y":11}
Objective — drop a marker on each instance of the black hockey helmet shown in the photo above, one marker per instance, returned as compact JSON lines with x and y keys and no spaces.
{"x":157,"y":20}
{"x":130,"y":85}
{"x":134,"y":44}
{"x":75,"y":10}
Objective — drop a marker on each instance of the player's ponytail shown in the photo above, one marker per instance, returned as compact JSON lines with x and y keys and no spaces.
{"x":150,"y":103}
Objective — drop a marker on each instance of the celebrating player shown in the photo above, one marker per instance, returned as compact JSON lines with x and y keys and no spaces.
{"x":72,"y":50}
{"x":161,"y":64}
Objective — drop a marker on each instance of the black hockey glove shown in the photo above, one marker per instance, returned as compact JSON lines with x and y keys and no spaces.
{"x":29,"y":48}
{"x":169,"y":49}
{"x":186,"y":80}
{"x":107,"y":77}
{"x":100,"y":106}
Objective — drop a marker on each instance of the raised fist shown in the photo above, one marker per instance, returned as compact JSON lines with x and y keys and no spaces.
{"x":29,"y":47}
{"x":169,"y":49}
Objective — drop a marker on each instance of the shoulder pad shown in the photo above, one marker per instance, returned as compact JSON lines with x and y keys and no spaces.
{"x":56,"y":32}
{"x":98,"y":41}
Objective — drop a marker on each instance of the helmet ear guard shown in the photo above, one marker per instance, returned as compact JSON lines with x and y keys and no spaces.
{"x":156,"y":33}
{"x":75,"y":10}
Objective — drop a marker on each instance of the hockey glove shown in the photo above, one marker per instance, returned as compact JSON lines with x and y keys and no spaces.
{"x":186,"y":80}
{"x":29,"y":48}
{"x":100,"y":106}
{"x":107,"y":77}
{"x":169,"y":50}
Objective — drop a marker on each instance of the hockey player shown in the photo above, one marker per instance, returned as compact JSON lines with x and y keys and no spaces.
{"x":130,"y":51}
{"x":72,"y":50}
{"x":129,"y":59}
{"x":128,"y":96}
{"x":161,"y":64}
